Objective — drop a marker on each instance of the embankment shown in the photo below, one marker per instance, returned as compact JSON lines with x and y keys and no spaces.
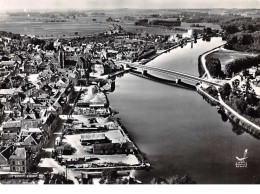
{"x":233,"y":116}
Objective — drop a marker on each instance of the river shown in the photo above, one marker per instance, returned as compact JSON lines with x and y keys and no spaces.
{"x":178,"y":131}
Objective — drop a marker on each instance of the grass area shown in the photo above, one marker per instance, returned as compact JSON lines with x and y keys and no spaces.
{"x":226,"y":56}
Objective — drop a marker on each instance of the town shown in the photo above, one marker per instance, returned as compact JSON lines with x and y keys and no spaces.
{"x":56,"y":97}
{"x":57,"y":125}
{"x":54,"y":108}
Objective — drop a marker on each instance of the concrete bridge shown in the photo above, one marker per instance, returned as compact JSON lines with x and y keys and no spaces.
{"x":177,"y":75}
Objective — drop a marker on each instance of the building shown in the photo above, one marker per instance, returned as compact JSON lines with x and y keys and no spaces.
{"x":114,"y":148}
{"x":5,"y":153}
{"x":93,"y":138}
{"x":12,"y":126}
{"x":20,"y":160}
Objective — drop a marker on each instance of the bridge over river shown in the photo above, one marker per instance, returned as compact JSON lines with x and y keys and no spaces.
{"x":177,"y":75}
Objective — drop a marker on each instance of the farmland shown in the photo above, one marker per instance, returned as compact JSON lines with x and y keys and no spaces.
{"x":54,"y":27}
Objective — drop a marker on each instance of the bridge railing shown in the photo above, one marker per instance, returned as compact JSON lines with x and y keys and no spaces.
{"x":174,"y":73}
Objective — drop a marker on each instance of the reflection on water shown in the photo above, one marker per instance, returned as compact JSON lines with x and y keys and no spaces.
{"x":178,"y":131}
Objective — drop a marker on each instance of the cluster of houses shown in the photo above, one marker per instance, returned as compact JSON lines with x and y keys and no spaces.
{"x":34,"y":91}
{"x":40,"y":89}
{"x":91,"y":130}
{"x":247,"y":81}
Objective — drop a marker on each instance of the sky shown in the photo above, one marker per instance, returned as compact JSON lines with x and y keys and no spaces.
{"x":115,"y":4}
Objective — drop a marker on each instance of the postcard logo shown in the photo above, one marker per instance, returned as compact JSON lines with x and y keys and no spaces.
{"x":241,"y":161}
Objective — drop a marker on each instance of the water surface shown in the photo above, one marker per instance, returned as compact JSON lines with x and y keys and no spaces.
{"x":178,"y":131}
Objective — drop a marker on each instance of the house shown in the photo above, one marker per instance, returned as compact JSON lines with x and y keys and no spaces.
{"x":11,"y":66}
{"x":29,"y":113}
{"x":32,"y":123}
{"x":8,"y":138}
{"x":5,"y":153}
{"x":29,"y":89}
{"x":12,"y":126}
{"x":30,"y":67}
{"x":49,"y":124}
{"x":114,"y":148}
{"x":93,"y":138}
{"x":7,"y":93}
{"x":20,"y":160}
{"x":32,"y":103}
{"x":58,"y":107}
{"x":34,"y":142}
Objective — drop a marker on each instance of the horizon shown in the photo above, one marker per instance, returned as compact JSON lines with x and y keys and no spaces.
{"x":38,"y":5}
{"x":108,"y":9}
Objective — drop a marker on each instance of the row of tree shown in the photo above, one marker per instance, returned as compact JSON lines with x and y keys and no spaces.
{"x":242,"y":33}
{"x":240,"y":64}
{"x":239,"y":24}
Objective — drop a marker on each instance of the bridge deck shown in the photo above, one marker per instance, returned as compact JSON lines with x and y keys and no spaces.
{"x":174,"y":73}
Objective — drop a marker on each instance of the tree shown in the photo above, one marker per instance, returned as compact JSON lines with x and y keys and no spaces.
{"x":241,"y":104}
{"x":109,"y":19}
{"x":186,"y":179}
{"x":207,"y":30}
{"x":49,"y":46}
{"x":251,"y":112}
{"x":225,"y":90}
{"x":246,"y":39}
{"x":214,"y":66}
{"x":231,"y":29}
{"x":212,"y":91}
{"x":109,"y":176}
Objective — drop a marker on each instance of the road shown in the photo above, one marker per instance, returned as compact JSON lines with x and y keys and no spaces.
{"x":236,"y":114}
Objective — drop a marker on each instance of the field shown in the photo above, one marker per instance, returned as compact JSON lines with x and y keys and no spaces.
{"x":226,"y":56}
{"x":55,"y":29}
{"x":42,"y":27}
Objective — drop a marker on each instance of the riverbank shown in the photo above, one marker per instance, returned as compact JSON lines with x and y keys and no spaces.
{"x":116,"y":152}
{"x":231,"y":113}
{"x":202,"y":61}
{"x":167,"y":50}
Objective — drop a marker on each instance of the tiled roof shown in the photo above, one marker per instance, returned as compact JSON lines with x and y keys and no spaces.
{"x":7,"y":91}
{"x":7,"y":152}
{"x":10,"y":124}
{"x":19,"y":153}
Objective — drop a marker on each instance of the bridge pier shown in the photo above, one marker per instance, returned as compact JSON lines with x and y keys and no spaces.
{"x":144,"y":72}
{"x":178,"y":80}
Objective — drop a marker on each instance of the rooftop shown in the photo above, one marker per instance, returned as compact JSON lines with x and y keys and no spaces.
{"x":19,"y":153}
{"x":93,"y":136}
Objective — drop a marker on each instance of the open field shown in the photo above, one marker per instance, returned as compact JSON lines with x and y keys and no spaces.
{"x":54,"y":29}
{"x":226,"y":56}
{"x":44,"y":28}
